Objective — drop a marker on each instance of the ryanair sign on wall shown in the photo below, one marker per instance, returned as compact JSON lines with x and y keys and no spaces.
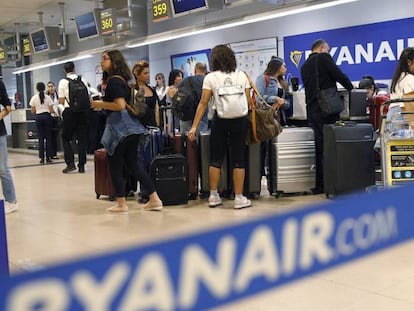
{"x":371,"y":49}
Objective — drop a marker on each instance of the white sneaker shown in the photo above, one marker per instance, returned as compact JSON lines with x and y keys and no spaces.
{"x":214,"y":200}
{"x":241,"y":202}
{"x":10,"y":207}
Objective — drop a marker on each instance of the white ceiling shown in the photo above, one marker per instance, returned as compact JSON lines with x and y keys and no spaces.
{"x":25,"y":13}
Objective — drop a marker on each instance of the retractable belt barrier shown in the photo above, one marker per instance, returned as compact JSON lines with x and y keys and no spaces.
{"x":4,"y":257}
{"x":215,"y":267}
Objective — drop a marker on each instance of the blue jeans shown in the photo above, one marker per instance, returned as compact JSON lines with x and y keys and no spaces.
{"x":5,"y":174}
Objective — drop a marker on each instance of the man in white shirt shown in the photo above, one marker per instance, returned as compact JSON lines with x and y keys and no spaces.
{"x":74,"y":122}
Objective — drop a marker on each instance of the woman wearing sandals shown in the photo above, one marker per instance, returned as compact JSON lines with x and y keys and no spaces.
{"x":121,"y":134}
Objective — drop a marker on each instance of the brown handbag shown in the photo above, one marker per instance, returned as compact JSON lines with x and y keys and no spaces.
{"x":262,"y":125}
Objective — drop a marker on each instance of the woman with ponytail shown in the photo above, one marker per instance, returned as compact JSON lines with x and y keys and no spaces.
{"x":42,"y":106}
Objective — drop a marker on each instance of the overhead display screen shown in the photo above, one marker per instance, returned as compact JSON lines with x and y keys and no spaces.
{"x":3,"y":55}
{"x":86,"y":26}
{"x":27,"y":51}
{"x":39,"y":41}
{"x":183,"y":7}
{"x":159,"y":10}
{"x":108,"y":22}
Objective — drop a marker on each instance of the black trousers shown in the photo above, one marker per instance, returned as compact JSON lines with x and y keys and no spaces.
{"x":74,"y":124}
{"x":124,"y":163}
{"x":316,"y":122}
{"x":44,"y":132}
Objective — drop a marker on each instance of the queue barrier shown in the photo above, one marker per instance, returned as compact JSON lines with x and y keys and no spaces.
{"x":222,"y":265}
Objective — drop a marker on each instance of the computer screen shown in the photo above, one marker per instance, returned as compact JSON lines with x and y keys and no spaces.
{"x":183,"y":7}
{"x":86,"y":26}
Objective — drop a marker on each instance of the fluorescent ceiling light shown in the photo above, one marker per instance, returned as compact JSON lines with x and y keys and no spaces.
{"x":50,"y":62}
{"x":189,"y":31}
{"x":186,"y":32}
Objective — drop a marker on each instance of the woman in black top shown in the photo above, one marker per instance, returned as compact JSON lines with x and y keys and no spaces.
{"x":142,"y":76}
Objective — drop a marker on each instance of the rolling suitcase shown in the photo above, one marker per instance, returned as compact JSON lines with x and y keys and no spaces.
{"x":253,"y":174}
{"x":223,"y":186}
{"x":348,"y":164}
{"x":291,"y":161}
{"x":376,"y":109}
{"x":188,"y":148}
{"x":169,"y":174}
{"x":103,"y":182}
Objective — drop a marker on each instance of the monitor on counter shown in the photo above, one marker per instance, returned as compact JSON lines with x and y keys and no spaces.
{"x":184,"y":7}
{"x":45,"y":39}
{"x":87,"y":25}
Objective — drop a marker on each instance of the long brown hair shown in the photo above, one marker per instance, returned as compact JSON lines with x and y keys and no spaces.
{"x":118,"y":64}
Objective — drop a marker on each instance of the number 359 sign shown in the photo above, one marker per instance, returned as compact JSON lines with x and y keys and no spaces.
{"x":160,"y":10}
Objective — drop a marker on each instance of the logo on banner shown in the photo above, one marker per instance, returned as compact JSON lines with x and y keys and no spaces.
{"x":295,"y":57}
{"x":372,"y":49}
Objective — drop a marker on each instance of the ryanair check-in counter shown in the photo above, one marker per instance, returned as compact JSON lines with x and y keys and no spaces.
{"x":24,"y":132}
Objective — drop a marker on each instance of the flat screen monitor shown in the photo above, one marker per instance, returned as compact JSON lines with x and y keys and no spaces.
{"x":45,"y":39}
{"x":183,"y":7}
{"x":86,"y":26}
{"x":39,"y":41}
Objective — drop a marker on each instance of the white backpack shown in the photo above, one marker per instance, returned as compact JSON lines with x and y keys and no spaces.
{"x":230,"y":99}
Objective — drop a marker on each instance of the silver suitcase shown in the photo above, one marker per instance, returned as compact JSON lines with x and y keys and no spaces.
{"x":291,"y":161}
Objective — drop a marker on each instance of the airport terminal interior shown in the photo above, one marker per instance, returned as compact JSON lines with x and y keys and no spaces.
{"x":61,"y":220}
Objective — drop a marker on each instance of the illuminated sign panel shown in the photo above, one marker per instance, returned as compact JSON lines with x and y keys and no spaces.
{"x":108,"y":22}
{"x":159,"y":10}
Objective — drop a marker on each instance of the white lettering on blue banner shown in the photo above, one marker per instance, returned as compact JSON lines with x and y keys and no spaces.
{"x":205,"y":270}
{"x":372,"y":49}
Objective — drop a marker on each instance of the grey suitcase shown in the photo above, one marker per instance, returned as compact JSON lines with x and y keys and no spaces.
{"x":291,"y":161}
{"x":223,"y":187}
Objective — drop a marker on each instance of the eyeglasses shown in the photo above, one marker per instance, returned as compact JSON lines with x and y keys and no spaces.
{"x":105,"y":58}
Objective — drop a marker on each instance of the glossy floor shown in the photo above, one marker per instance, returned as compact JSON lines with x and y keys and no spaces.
{"x":60,"y":219}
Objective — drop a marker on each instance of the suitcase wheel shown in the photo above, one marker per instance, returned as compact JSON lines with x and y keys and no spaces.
{"x":192,"y":196}
{"x":98,"y":195}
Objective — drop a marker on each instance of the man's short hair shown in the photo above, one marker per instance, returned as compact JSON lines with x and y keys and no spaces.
{"x":69,"y":67}
{"x":201,"y":67}
{"x":316,"y":44}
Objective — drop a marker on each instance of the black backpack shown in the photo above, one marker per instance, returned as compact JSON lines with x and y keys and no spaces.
{"x":185,"y":101}
{"x":78,"y":95}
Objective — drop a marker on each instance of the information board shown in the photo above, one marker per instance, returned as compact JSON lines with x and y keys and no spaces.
{"x":253,"y":56}
{"x":108,"y":22}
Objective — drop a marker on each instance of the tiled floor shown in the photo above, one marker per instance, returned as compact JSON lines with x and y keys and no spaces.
{"x":60,"y":219}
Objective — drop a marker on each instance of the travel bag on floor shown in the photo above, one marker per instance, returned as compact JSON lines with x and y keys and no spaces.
{"x":169,"y":174}
{"x":291,"y":161}
{"x":349,"y":158}
{"x":223,"y":186}
{"x":103,"y":182}
{"x":188,"y":148}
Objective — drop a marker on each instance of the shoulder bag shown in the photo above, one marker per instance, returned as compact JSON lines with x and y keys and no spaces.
{"x":329,"y":100}
{"x":262,"y":125}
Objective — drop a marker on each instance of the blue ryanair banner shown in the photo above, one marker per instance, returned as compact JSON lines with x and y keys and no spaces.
{"x":4,"y":257}
{"x":219,"y":266}
{"x":372,"y":49}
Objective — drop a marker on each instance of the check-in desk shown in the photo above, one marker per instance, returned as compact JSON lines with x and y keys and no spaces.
{"x":23,"y":126}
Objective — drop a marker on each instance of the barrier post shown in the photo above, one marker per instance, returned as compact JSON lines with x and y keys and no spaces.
{"x":4,"y":258}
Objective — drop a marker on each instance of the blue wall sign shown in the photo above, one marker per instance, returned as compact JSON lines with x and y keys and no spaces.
{"x":371,"y":49}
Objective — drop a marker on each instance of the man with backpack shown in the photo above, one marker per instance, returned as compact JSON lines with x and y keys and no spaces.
{"x":192,"y":87}
{"x":74,"y":96}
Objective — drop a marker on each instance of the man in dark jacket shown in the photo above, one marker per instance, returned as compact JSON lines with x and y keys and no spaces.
{"x":329,"y":74}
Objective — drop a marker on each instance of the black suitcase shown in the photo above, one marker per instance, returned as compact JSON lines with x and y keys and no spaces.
{"x":169,"y":174}
{"x":223,"y":186}
{"x":253,"y":174}
{"x":349,"y":158}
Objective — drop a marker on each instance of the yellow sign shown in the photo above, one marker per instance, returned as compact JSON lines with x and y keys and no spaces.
{"x":108,"y":22}
{"x":159,"y":10}
{"x":3,"y":56}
